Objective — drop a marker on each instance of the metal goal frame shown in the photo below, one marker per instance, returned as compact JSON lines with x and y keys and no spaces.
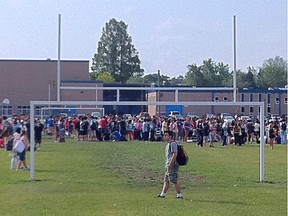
{"x":33,"y":105}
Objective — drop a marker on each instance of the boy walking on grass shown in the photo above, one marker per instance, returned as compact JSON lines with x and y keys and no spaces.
{"x":171,"y":166}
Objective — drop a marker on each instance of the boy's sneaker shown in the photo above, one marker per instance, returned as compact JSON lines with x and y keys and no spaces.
{"x":180,"y":197}
{"x":159,"y":196}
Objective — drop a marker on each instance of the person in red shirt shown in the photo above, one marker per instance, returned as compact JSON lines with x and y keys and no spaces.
{"x":103,"y":124}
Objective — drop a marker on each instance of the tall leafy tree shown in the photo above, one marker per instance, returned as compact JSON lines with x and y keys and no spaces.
{"x":209,"y":73}
{"x":177,"y":80}
{"x":273,"y":73}
{"x":116,"y":54}
{"x":246,"y":80}
{"x":194,"y":76}
{"x":105,"y":77}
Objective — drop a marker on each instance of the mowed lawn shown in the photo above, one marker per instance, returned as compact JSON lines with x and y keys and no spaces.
{"x":122,"y":178}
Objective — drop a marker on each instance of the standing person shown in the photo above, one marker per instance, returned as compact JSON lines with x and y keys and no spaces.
{"x":174,"y":129}
{"x":212,"y":133}
{"x":50,"y":125}
{"x":206,"y":130}
{"x":180,"y":129}
{"x":250,"y":131}
{"x":38,"y":133}
{"x":14,"y":154}
{"x":237,"y":134}
{"x":145,"y":130}
{"x":283,"y":132}
{"x":272,"y":135}
{"x":171,"y":166}
{"x":224,"y":133}
{"x":7,"y":130}
{"x":187,"y":128}
{"x":199,"y":133}
{"x":130,"y":129}
{"x":257,"y":130}
{"x":123,"y":127}
{"x":22,"y":155}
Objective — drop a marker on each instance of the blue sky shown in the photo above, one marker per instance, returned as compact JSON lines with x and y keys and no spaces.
{"x":168,"y":34}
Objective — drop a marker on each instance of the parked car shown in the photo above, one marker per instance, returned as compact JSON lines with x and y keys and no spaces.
{"x":245,"y":118}
{"x":96,"y":114}
{"x":228,"y":118}
{"x":222,"y":115}
{"x":177,"y":117}
{"x":173,"y":113}
{"x":192,"y":115}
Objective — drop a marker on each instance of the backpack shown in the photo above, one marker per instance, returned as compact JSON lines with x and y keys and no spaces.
{"x":182,"y":157}
{"x":94,"y":125}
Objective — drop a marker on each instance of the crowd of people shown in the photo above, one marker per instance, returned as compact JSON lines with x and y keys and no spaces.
{"x":204,"y":131}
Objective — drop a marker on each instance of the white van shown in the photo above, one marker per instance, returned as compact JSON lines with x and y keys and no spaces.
{"x":173,"y":113}
{"x":96,"y":114}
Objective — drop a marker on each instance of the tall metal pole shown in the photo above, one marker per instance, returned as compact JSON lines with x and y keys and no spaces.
{"x":159,"y":91}
{"x":96,"y":95}
{"x":58,"y":62}
{"x":234,"y":72}
{"x":49,"y":92}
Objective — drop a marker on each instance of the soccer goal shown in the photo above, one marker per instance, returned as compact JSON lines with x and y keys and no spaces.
{"x":33,"y":104}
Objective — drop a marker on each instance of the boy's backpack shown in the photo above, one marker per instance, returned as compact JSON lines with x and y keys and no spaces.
{"x":182,"y":157}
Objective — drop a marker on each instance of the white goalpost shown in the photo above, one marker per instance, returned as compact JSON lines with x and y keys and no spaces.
{"x":33,"y":105}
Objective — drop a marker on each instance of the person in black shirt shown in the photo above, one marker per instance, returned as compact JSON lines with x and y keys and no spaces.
{"x":38,"y":133}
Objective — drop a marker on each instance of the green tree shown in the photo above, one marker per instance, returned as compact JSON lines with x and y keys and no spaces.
{"x":116,"y":54}
{"x":106,"y":77}
{"x":273,"y":73}
{"x":209,"y":73}
{"x":177,"y":80}
{"x":246,"y":80}
{"x":194,"y":76}
{"x":136,"y":80}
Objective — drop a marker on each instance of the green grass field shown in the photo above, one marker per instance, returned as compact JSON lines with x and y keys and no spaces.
{"x":122,"y":178}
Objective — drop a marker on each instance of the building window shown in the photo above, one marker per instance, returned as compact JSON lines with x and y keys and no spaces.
{"x":216,"y":99}
{"x":276,"y":100}
{"x":6,"y":110}
{"x":251,"y":97}
{"x":225,"y":99}
{"x":242,"y":109}
{"x":251,"y":109}
{"x":23,"y":110}
{"x":268,"y":109}
{"x":268,"y":98}
{"x":285,"y":100}
{"x":260,"y":97}
{"x":242,"y":97}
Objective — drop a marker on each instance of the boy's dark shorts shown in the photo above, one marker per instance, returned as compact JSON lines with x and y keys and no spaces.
{"x":22,"y":155}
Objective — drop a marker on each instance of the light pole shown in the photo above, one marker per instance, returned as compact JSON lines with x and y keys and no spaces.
{"x":58,"y":61}
{"x":96,"y":95}
{"x":49,"y":91}
{"x":158,"y":91}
